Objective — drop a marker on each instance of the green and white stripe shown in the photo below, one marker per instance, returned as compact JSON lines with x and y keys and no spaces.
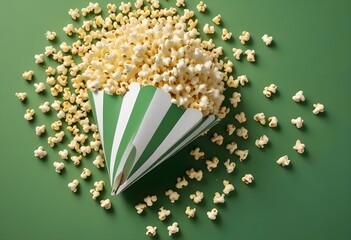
{"x":141,"y":130}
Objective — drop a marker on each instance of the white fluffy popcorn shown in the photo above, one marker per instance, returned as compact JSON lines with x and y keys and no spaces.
{"x":211,"y":164}
{"x":39,"y":58}
{"x":50,"y":35}
{"x":260,"y":117}
{"x":86,"y":173}
{"x":194,"y":174}
{"x":29,"y":114}
{"x":58,"y":166}
{"x":237,"y":53}
{"x":231,"y":147}
{"x":267,"y":39}
{"x":63,"y":154}
{"x":299,"y":146}
{"x":230,"y":128}
{"x":197,"y":153}
{"x":267,"y":91}
{"x":298,"y":122}
{"x":40,"y":152}
{"x":99,"y":185}
{"x":247,"y":178}
{"x":273,"y":122}
{"x":283,"y":161}
{"x":181,"y":182}
{"x":217,"y":19}
{"x":39,"y":130}
{"x":45,"y":107}
{"x":190,"y":212}
{"x":39,"y":87}
{"x":151,"y":231}
{"x":235,"y":99}
{"x":228,"y":187}
{"x":226,"y":35}
{"x":21,"y":96}
{"x":219,"y":198}
{"x":244,"y":37}
{"x":250,"y":55}
{"x":74,"y":13}
{"x":242,"y":132}
{"x":106,"y":203}
{"x":230,"y":166}
{"x":318,"y":108}
{"x":73,"y":185}
{"x":99,"y":162}
{"x":163,"y":213}
{"x":262,"y":141}
{"x":240,"y":117}
{"x":201,"y":6}
{"x":298,"y":97}
{"x":173,"y":229}
{"x":197,"y":196}
{"x":149,"y":200}
{"x":173,"y":196}
{"x":140,"y":207}
{"x":242,"y":154}
{"x":212,"y":214}
{"x":207,"y":29}
{"x":217,"y":139}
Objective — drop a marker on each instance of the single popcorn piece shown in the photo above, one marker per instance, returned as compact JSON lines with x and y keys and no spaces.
{"x":99,"y":162}
{"x":197,"y":154}
{"x":173,"y":196}
{"x":260,"y":117}
{"x":298,"y":97}
{"x":226,"y":35}
{"x":201,"y":6}
{"x":231,"y":147}
{"x":125,"y":7}
{"x":173,"y":229}
{"x":230,"y":129}
{"x":197,"y":197}
{"x":74,"y":13}
{"x":217,"y":19}
{"x":218,"y":198}
{"x":273,"y":122}
{"x":262,"y":141}
{"x":242,"y":154}
{"x":45,"y":107}
{"x":21,"y":96}
{"x":318,"y":108}
{"x":298,"y":122}
{"x":267,"y":91}
{"x":244,"y":37}
{"x":40,"y":152}
{"x":106,"y":204}
{"x":28,"y":75}
{"x":140,"y":207}
{"x":194,"y":174}
{"x":235,"y":99}
{"x":228,"y":187}
{"x":163,"y":213}
{"x":76,"y":159}
{"x":149,"y":200}
{"x":230,"y":166}
{"x":151,"y":231}
{"x":283,"y":161}
{"x":86,"y":173}
{"x":217,"y":139}
{"x":180,"y":3}
{"x":139,"y":3}
{"x":267,"y":39}
{"x":50,"y":35}
{"x":240,"y":117}
{"x":237,"y":53}
{"x":242,"y":79}
{"x":190,"y":212}
{"x":29,"y":114}
{"x":39,"y":130}
{"x":56,"y":125}
{"x":99,"y":185}
{"x":73,"y":185}
{"x":58,"y":166}
{"x":69,"y":29}
{"x":242,"y":132}
{"x":39,"y":58}
{"x":207,"y":29}
{"x":63,"y":154}
{"x":247,"y":178}
{"x":212,"y":214}
{"x":39,"y":87}
{"x":211,"y":164}
{"x":250,"y":55}
{"x":95,"y":194}
{"x":299,"y":146}
{"x":181,"y":182}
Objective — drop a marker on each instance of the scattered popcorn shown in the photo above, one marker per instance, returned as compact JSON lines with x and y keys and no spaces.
{"x":299,"y":146}
{"x":58,"y":166}
{"x":69,"y":29}
{"x":250,"y":55}
{"x":39,"y":130}
{"x":39,"y":58}
{"x":56,"y":125}
{"x":298,"y":122}
{"x":235,"y":99}
{"x":208,"y":29}
{"x":230,"y":166}
{"x":212,"y":214}
{"x":298,"y":97}
{"x":244,"y":37}
{"x":218,"y":198}
{"x":247,"y":179}
{"x":194,"y":174}
{"x":125,"y":7}
{"x":163,"y":213}
{"x":228,"y":187}
{"x":267,"y":39}
{"x":173,"y":229}
{"x":201,"y":6}
{"x":180,"y":3}
{"x":52,"y":141}
{"x":267,"y":91}
{"x":86,"y":173}
{"x":28,"y":75}
{"x":95,"y":193}
{"x":190,"y":212}
{"x":21,"y":96}
{"x":181,"y":182}
{"x":217,"y":139}
{"x":242,"y":132}
{"x":106,"y":204}
{"x":149,"y":200}
{"x":140,"y":207}
{"x":99,"y":162}
{"x":226,"y":35}
{"x":99,"y":185}
{"x":50,"y":35}
{"x":151,"y":231}
{"x":74,"y":13}
{"x":73,"y":185}
{"x":139,"y":3}
{"x":39,"y":87}
{"x":197,"y":154}
{"x":197,"y":197}
{"x":283,"y":161}
{"x":273,"y":122}
{"x":217,"y":19}
{"x":263,"y":140}
{"x":242,"y":154}
{"x":240,"y":117}
{"x":76,"y":159}
{"x":211,"y":164}
{"x":45,"y":107}
{"x":318,"y":108}
{"x":173,"y":196}
{"x":231,"y":147}
{"x":29,"y":114}
{"x":40,"y":152}
{"x":63,"y":154}
{"x":237,"y":53}
{"x":230,"y":129}
{"x":242,"y":79}
{"x":260,"y":117}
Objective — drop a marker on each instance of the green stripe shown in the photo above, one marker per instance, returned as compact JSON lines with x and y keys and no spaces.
{"x":92,"y":104}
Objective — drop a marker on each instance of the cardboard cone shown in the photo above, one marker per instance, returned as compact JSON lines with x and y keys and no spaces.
{"x":142,"y":129}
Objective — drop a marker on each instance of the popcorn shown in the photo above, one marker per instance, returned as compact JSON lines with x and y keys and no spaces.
{"x":39,"y":130}
{"x":267,"y":91}
{"x":260,"y":117}
{"x":230,"y":166}
{"x":181,"y":182}
{"x":207,"y":29}
{"x":40,"y":152}
{"x":99,"y":185}
{"x":74,"y":13}
{"x":139,"y":3}
{"x":298,"y":97}
{"x":140,"y":207}
{"x":51,"y":81}
{"x":29,"y":114}
{"x":163,"y":213}
{"x":194,"y":174}
{"x":73,"y":185}
{"x":235,"y":99}
{"x":250,"y":55}
{"x":228,"y":187}
{"x":39,"y":87}
{"x":190,"y":212}
{"x":197,"y":154}
{"x":211,"y":164}
{"x":201,"y":6}
{"x":125,"y":7}
{"x":244,"y":37}
{"x":299,"y":146}
{"x":149,"y":200}
{"x":50,"y":35}
{"x":28,"y":75}
{"x":58,"y":166}
{"x":237,"y":53}
{"x":212,"y":214}
{"x":21,"y":96}
{"x":63,"y":154}
{"x":283,"y":161}
{"x":45,"y":107}
{"x":151,"y":231}
{"x":231,"y":147}
{"x":76,"y":159}
{"x":267,"y":39}
{"x":56,"y":125}
{"x":217,"y":19}
{"x":52,"y":141}
{"x":39,"y":58}
{"x":69,"y":29}
{"x":273,"y":122}
{"x":298,"y":122}
{"x":86,"y":173}
{"x":226,"y":35}
{"x":180,"y":3}
{"x":242,"y":154}
{"x":173,"y":229}
{"x":242,"y":79}
{"x":263,"y":140}
{"x":197,"y":197}
{"x":230,"y":128}
{"x":240,"y":117}
{"x":247,"y":178}
{"x":95,"y":193}
{"x":106,"y":204}
{"x":217,"y":139}
{"x":318,"y":108}
{"x":173,"y":196}
{"x":242,"y":132}
{"x":56,"y":105}
{"x":218,"y":198}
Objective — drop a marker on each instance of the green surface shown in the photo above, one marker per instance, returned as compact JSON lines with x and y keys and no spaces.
{"x":309,"y":200}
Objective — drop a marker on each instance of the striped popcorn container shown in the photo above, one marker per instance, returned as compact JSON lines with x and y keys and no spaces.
{"x":142,"y":129}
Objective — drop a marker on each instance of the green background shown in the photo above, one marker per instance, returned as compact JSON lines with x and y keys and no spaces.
{"x":309,"y":200}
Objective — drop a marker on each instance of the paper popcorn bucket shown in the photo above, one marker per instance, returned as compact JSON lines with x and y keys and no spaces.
{"x":142,"y":129}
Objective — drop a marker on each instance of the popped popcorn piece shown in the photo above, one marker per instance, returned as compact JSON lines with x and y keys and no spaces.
{"x":267,"y":91}
{"x":235,"y":99}
{"x":173,"y":196}
{"x":242,"y":154}
{"x":99,"y":162}
{"x":231,"y":147}
{"x":242,"y":79}
{"x":112,"y":8}
{"x":217,"y":139}
{"x":283,"y":161}
{"x":247,"y":178}
{"x":240,"y":117}
{"x":197,"y":196}
{"x":21,"y":96}
{"x":76,"y":159}
{"x":242,"y":132}
{"x":217,"y":19}
{"x":140,"y":207}
{"x":173,"y":229}
{"x":298,"y":97}
{"x":194,"y":174}
{"x":207,"y":29}
{"x":99,"y":185}
{"x":149,"y":200}
{"x":163,"y":213}
{"x":73,"y":185}
{"x":74,"y":13}
{"x":237,"y":53}
{"x":263,"y":140}
{"x":299,"y":146}
{"x":260,"y":117}
{"x":39,"y":130}
{"x":230,"y":129}
{"x":40,"y":152}
{"x":228,"y":187}
{"x":190,"y":212}
{"x":45,"y":107}
{"x":226,"y":35}
{"x":298,"y":122}
{"x":86,"y":173}
{"x":218,"y":198}
{"x":50,"y":51}
{"x":197,"y":154}
{"x":63,"y":154}
{"x":39,"y":87}
{"x":267,"y":39}
{"x":318,"y":108}
{"x":250,"y":55}
{"x":29,"y":114}
{"x":58,"y":166}
{"x":273,"y":122}
{"x":222,"y":112}
{"x":244,"y":37}
{"x":56,"y":105}
{"x":56,"y":125}
{"x":212,"y":214}
{"x":106,"y":204}
{"x":59,"y":136}
{"x":211,"y":164}
{"x":50,"y":35}
{"x":181,"y":182}
{"x":39,"y":58}
{"x":52,"y":141}
{"x":139,"y":3}
{"x":230,"y":166}
{"x":95,"y":193}
{"x":201,"y":6}
{"x":125,"y":7}
{"x":69,"y":29}
{"x":151,"y":231}
{"x":180,"y":3}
